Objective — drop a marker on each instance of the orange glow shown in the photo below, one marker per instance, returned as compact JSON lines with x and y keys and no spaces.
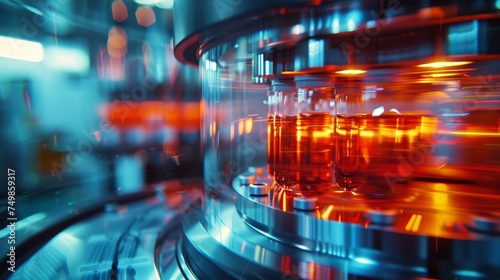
{"x":180,"y":116}
{"x":439,"y":75}
{"x":119,"y":11}
{"x":120,"y":34}
{"x":327,"y":212}
{"x":145,"y":16}
{"x":117,"y":42}
{"x":249,"y":125}
{"x":470,"y":133}
{"x":116,"y":53}
{"x":410,"y":222}
{"x":283,"y":201}
{"x":440,"y":199}
{"x":351,"y":72}
{"x":443,"y":64}
{"x":414,"y":223}
{"x":241,"y":127}
{"x":231,"y":132}
{"x":303,"y":158}
{"x":213,"y":128}
{"x":417,"y":223}
{"x":311,"y":270}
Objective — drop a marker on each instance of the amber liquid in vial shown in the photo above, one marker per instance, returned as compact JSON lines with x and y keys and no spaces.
{"x":348,"y":151}
{"x":301,"y":155}
{"x":397,"y":147}
{"x":271,"y":143}
{"x":372,"y":151}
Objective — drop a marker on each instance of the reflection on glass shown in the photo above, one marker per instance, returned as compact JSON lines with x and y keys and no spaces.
{"x":348,"y":127}
{"x":376,"y":147}
{"x":300,"y":135}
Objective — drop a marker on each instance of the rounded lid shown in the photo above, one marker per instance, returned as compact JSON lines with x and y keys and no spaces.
{"x":282,"y":85}
{"x":304,"y":81}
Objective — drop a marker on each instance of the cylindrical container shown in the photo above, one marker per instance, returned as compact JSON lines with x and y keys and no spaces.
{"x":281,"y":135}
{"x":300,"y":131}
{"x":300,"y":134}
{"x":314,"y":131}
{"x":350,"y":121}
{"x":382,"y":135}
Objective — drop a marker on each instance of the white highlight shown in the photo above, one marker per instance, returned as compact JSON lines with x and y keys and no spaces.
{"x":21,"y":49}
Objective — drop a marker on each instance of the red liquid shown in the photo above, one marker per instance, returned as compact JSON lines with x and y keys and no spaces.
{"x":373,"y":152}
{"x":378,"y":151}
{"x":348,"y":156}
{"x":300,"y":151}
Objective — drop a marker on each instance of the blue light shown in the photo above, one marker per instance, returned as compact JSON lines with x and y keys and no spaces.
{"x":351,"y":25}
{"x":335,"y":26}
{"x":365,"y":260}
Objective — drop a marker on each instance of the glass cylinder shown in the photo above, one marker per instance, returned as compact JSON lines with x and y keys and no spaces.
{"x":302,"y":135}
{"x":382,"y":136}
{"x":350,"y":121}
{"x":281,"y":137}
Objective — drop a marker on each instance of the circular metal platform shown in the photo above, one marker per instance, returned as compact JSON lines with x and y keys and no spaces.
{"x":413,"y":236}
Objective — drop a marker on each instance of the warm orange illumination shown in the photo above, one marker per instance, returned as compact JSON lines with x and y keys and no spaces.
{"x":440,"y":75}
{"x":301,"y":153}
{"x":145,"y":16}
{"x":241,"y":127}
{"x":117,"y":42}
{"x":119,"y":11}
{"x":410,"y":222}
{"x":440,"y":198}
{"x":327,"y":212}
{"x":180,"y":116}
{"x":441,"y":64}
{"x":249,"y":126}
{"x":351,"y":72}
{"x":414,"y":223}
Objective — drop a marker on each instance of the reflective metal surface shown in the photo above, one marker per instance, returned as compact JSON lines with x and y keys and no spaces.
{"x":134,"y":239}
{"x":317,"y":244}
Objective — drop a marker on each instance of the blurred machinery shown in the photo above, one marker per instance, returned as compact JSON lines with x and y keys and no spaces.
{"x":100,"y":127}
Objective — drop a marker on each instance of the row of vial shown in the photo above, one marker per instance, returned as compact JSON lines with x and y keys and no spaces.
{"x":321,"y":136}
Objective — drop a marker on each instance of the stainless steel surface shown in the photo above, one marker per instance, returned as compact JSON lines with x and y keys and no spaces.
{"x":258,"y":189}
{"x":305,"y":203}
{"x":307,"y":246}
{"x":247,"y":179}
{"x":486,"y":223}
{"x":135,"y":239}
{"x":381,"y":216}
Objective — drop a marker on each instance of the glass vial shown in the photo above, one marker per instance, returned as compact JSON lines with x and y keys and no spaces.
{"x":313,"y":125}
{"x":350,"y":122}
